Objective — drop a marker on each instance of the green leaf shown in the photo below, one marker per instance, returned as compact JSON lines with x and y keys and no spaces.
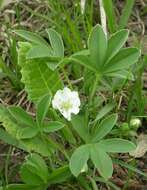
{"x":97,"y":44}
{"x":104,"y":127}
{"x":56,"y":43}
{"x":27,"y":132}
{"x":79,"y":159}
{"x":117,"y":145}
{"x":37,"y":77}
{"x":84,"y":61}
{"x":53,"y":126}
{"x":106,"y":109}
{"x":110,"y":13}
{"x":21,"y":116}
{"x":59,"y":175}
{"x":115,"y":43}
{"x":82,"y":52}
{"x":38,"y":144}
{"x":23,"y":187}
{"x":79,"y":124}
{"x":39,"y":52}
{"x":42,"y":108}
{"x":124,"y":59}
{"x":31,"y":37}
{"x":7,"y":138}
{"x":102,"y":161}
{"x":34,"y":171}
{"x":43,"y":145}
{"x":123,"y":74}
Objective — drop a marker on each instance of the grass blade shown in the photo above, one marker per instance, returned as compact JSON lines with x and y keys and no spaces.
{"x":126,"y":13}
{"x":110,"y":13}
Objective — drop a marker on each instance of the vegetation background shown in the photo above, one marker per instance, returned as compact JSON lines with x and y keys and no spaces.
{"x":66,"y":17}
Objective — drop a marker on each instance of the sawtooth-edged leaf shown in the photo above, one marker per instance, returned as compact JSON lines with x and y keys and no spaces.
{"x":34,"y":171}
{"x":42,"y":108}
{"x":21,"y":116}
{"x":43,"y":146}
{"x":37,"y":77}
{"x":27,"y":132}
{"x":39,"y":52}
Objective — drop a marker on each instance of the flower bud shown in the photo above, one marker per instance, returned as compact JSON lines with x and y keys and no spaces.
{"x":135,"y":123}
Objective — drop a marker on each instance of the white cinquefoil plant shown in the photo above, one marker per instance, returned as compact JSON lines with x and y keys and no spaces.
{"x":74,"y":133}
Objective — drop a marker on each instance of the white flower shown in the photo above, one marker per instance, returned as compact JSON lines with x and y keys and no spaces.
{"x":67,"y":102}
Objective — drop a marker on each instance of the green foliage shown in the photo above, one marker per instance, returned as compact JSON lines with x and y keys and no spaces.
{"x":52,"y":126}
{"x":107,"y":56}
{"x":96,"y":149}
{"x":32,"y":37}
{"x":85,"y":143}
{"x":127,"y":10}
{"x":36,"y":75}
{"x":104,"y":127}
{"x":102,"y":161}
{"x":56,"y":43}
{"x":42,"y":108}
{"x":79,"y":159}
{"x":34,"y":171}
{"x":110,"y":13}
{"x":21,"y":116}
{"x":97,"y":44}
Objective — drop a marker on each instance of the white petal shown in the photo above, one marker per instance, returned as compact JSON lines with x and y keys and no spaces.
{"x":67,"y":115}
{"x":75,"y":110}
{"x":67,"y":102}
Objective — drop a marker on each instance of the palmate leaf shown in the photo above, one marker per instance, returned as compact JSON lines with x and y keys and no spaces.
{"x":34,"y":171}
{"x":12,"y":131}
{"x":37,"y":77}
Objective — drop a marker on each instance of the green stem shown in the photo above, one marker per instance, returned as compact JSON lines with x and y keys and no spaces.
{"x":59,"y":147}
{"x":67,"y":79}
{"x":94,"y":89}
{"x":7,"y":164}
{"x":93,"y":183}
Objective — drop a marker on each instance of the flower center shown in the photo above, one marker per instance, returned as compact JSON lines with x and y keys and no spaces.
{"x":66,"y":105}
